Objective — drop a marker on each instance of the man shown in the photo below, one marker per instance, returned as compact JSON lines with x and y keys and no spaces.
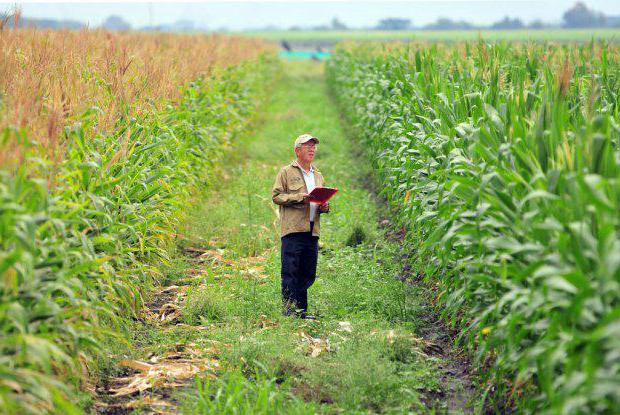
{"x":299,"y":225}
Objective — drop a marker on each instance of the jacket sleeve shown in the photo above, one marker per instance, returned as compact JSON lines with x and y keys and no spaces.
{"x":280,"y":197}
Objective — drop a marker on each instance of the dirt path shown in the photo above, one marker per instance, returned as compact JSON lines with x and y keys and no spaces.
{"x":213,"y":339}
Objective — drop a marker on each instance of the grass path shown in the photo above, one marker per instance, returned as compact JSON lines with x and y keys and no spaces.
{"x":219,"y":312}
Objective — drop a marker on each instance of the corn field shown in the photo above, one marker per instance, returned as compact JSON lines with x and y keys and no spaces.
{"x":103,"y":139}
{"x":502,"y":162}
{"x":51,"y":77}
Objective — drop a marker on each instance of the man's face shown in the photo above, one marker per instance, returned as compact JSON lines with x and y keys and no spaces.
{"x":306,"y":151}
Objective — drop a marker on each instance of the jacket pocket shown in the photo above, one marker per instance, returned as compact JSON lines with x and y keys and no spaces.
{"x":296,"y":187}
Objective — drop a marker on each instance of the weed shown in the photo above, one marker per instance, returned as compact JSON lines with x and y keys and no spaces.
{"x":234,"y":394}
{"x":356,"y":237}
{"x":205,"y":306}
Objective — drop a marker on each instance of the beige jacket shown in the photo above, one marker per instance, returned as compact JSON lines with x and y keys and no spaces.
{"x":288,"y":191}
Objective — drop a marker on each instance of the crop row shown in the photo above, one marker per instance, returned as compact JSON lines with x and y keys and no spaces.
{"x":502,"y":162}
{"x":82,"y":233}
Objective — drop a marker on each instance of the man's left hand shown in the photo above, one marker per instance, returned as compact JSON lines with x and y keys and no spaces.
{"x":324,"y":208}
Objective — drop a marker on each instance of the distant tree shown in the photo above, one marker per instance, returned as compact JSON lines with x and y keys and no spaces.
{"x":447,"y":24}
{"x":580,"y":16}
{"x":507,"y":23}
{"x":394,"y":24}
{"x":183,"y":26}
{"x":536,"y":24}
{"x":15,"y":18}
{"x":613,"y":21}
{"x":338,"y":25}
{"x":116,"y":23}
{"x":150,"y":28}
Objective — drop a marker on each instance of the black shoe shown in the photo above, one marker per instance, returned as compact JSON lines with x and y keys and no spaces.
{"x":309,"y":317}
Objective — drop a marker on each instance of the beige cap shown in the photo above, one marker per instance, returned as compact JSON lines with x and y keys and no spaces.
{"x":304,"y":138}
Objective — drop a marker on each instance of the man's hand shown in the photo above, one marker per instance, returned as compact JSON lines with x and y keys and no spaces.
{"x":306,"y":198}
{"x":324,"y":208}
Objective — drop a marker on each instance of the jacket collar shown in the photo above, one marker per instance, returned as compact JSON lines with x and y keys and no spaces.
{"x":312,"y":166}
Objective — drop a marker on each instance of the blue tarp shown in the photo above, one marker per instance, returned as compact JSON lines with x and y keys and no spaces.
{"x":299,"y":54}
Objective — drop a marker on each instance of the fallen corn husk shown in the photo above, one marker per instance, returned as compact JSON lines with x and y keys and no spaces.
{"x":345,"y":326}
{"x":161,"y":375}
{"x":170,"y":312}
{"x":315,"y":345}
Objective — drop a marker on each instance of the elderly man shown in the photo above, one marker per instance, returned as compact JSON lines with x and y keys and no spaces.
{"x":299,"y":225}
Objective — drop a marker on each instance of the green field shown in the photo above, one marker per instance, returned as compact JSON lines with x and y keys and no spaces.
{"x":559,"y":35}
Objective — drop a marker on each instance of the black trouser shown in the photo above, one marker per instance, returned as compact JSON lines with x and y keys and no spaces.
{"x":299,"y":255}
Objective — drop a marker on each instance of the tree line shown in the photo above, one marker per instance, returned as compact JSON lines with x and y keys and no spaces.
{"x":578,"y":16}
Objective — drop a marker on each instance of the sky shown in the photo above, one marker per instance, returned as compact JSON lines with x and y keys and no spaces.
{"x":240,"y":15}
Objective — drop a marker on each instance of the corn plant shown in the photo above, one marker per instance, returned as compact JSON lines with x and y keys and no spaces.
{"x":76,"y":257}
{"x":502,"y":161}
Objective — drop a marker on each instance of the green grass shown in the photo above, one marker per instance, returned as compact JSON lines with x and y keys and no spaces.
{"x":560,"y":35}
{"x":236,"y":394}
{"x":267,"y":365}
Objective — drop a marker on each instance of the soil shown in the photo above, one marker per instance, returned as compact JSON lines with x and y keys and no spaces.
{"x":156,"y":399}
{"x":458,"y":390}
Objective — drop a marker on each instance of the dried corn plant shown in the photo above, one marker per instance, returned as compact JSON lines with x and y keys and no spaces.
{"x":47,"y":77}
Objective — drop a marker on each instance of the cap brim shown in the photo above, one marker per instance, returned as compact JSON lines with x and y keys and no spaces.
{"x":298,"y":143}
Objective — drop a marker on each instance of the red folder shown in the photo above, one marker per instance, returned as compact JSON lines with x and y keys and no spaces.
{"x":322,"y":194}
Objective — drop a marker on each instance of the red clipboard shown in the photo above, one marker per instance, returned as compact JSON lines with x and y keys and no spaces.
{"x":322,"y":194}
